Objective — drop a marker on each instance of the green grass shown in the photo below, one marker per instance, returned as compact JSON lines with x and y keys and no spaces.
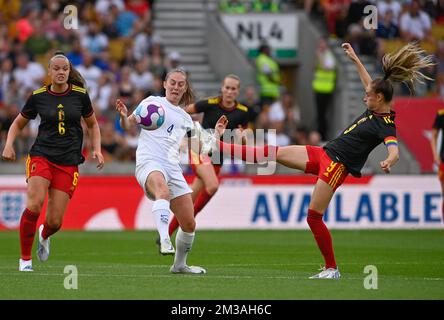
{"x":240,"y":264}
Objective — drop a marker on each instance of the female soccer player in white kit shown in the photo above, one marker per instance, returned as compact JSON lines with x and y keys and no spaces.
{"x":158,"y":169}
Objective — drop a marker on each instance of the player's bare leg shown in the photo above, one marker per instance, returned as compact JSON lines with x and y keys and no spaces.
{"x":182,"y":208}
{"x":157,"y":186}
{"x":57,"y":204}
{"x":320,"y":199}
{"x":36,"y":193}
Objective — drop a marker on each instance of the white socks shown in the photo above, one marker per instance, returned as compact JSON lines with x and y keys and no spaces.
{"x":161,"y":212}
{"x":184,"y":242}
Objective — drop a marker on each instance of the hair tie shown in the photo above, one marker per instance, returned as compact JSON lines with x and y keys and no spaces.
{"x":387,"y":75}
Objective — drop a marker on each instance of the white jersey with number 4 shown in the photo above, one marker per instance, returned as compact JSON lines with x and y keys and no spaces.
{"x":162,"y":144}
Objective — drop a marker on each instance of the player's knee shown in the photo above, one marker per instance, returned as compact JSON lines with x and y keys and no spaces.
{"x":34,"y":204}
{"x":212,"y":188}
{"x":188,"y":226}
{"x":54,"y":223}
{"x":162,"y":193}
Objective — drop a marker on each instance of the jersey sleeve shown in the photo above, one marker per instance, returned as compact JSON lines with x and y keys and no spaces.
{"x":29,"y":110}
{"x":201,"y":106}
{"x":388,"y":135}
{"x":87,"y":109}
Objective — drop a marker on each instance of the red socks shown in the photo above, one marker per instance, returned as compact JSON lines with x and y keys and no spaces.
{"x":28,"y":224}
{"x":48,"y":231}
{"x":174,"y":224}
{"x":322,"y":237}
{"x":248,"y":153}
{"x":202,"y":199}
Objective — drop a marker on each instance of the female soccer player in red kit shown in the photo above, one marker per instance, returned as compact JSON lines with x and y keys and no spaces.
{"x":52,"y":164}
{"x":349,"y":151}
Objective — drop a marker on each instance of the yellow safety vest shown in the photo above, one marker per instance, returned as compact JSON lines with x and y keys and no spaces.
{"x":324,"y":81}
{"x":268,"y":88}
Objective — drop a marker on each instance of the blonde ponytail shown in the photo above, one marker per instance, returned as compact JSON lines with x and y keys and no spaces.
{"x":405,"y":64}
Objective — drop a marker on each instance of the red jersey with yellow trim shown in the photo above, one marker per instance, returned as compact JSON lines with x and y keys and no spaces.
{"x":354,"y":145}
{"x":439,"y":125}
{"x":60,"y":135}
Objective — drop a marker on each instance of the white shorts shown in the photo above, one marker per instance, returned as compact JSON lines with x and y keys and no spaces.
{"x":173,"y":176}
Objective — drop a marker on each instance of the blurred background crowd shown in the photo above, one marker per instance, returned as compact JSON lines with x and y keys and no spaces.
{"x":120,"y":55}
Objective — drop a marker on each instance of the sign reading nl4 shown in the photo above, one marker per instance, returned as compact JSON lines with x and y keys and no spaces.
{"x":280,"y":31}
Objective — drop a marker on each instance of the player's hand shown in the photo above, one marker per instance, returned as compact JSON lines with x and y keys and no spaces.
{"x":385,"y":166}
{"x":8,"y":154}
{"x":98,"y":155}
{"x":121,"y":108}
{"x":349,"y":51}
{"x":437,"y":159}
{"x":221,"y":124}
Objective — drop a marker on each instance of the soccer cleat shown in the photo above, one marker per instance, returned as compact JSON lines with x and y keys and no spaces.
{"x":329,"y":273}
{"x":188,"y":269}
{"x":25,"y":265}
{"x":166,"y":247}
{"x":43,"y":246}
{"x":208,"y":141}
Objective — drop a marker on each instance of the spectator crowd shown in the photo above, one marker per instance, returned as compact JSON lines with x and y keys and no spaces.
{"x":119,"y":53}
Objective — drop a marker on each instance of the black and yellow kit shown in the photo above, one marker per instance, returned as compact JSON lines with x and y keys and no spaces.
{"x":60,"y":134}
{"x":213,"y":110}
{"x":353,"y":146}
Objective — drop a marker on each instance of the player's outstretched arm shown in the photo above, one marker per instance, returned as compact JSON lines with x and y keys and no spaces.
{"x":16,"y":127}
{"x":191,"y":109}
{"x":125,"y":121}
{"x":392,"y":158}
{"x":363,"y":74}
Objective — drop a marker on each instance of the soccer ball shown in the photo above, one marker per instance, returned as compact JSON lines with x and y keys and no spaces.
{"x":150,"y":116}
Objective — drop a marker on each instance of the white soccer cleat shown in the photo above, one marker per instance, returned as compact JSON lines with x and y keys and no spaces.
{"x":166,"y":247}
{"x":329,"y":273}
{"x":188,"y":269}
{"x":25,"y":265}
{"x":43,"y":246}
{"x":208,"y":141}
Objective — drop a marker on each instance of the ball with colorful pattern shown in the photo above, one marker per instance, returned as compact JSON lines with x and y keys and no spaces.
{"x":150,"y":116}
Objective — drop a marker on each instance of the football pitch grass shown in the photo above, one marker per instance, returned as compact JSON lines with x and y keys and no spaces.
{"x":241,"y":265}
